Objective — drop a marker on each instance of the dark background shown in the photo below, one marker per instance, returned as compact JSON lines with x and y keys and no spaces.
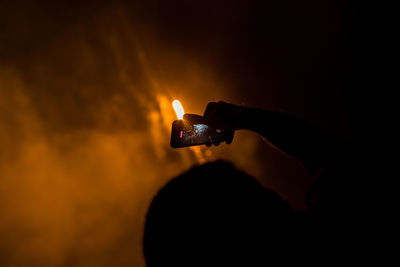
{"x":85,"y":109}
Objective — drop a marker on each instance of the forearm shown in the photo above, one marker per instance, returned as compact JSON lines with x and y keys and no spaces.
{"x":290,"y":134}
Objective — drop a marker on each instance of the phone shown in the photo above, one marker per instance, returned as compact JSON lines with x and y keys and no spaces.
{"x":195,"y":132}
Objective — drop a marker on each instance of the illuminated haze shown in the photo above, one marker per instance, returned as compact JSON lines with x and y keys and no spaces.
{"x":85,"y":116}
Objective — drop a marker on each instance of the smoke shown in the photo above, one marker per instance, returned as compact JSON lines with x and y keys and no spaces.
{"x":84,"y":136}
{"x":85,"y":116}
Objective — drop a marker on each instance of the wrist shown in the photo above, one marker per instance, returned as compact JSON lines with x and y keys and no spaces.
{"x":242,"y":118}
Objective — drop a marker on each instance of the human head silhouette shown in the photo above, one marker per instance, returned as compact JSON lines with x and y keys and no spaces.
{"x":213,"y":212}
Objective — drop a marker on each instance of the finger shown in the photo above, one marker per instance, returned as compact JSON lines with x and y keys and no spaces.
{"x":216,"y":143}
{"x":229,"y":137}
{"x":210,"y":109}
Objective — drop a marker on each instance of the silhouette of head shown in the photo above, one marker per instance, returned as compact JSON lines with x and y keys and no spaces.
{"x":214,"y":212}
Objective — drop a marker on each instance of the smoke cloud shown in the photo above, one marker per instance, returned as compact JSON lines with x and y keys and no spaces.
{"x":85,"y":117}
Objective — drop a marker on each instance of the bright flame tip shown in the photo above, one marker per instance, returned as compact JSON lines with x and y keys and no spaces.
{"x":178,"y":109}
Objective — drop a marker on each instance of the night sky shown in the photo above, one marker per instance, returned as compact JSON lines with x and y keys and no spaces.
{"x":85,"y":109}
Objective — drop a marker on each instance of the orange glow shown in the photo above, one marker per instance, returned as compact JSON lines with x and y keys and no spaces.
{"x":178,"y":109}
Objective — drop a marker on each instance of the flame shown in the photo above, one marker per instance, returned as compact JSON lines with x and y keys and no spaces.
{"x":178,"y":109}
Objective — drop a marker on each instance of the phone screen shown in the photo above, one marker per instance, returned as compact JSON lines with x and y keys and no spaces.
{"x":186,"y":134}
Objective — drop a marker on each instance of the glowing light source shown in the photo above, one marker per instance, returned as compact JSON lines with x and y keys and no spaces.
{"x":178,"y":109}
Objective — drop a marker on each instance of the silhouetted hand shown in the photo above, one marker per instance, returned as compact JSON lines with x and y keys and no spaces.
{"x":224,"y":116}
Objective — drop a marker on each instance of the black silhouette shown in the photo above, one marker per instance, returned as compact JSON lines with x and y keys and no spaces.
{"x":217,"y":215}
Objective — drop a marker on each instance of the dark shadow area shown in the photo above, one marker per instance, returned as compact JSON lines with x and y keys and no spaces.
{"x":215,"y":212}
